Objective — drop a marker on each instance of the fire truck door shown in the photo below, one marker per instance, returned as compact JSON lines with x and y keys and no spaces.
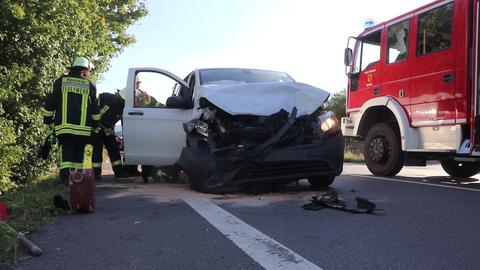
{"x":368,"y":70}
{"x":476,"y":94}
{"x":396,"y":69}
{"x":433,"y":73}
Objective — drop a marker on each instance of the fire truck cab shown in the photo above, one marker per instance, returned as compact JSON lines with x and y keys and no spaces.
{"x":413,"y":89}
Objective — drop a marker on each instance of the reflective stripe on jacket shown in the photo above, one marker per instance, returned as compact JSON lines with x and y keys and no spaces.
{"x":72,"y":106}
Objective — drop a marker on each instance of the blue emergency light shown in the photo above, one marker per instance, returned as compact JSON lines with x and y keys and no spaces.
{"x":368,"y":24}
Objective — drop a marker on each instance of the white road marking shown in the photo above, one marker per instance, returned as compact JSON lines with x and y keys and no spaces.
{"x":412,"y":182}
{"x":264,"y":250}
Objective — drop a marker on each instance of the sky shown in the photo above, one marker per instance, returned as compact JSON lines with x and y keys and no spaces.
{"x":305,"y":38}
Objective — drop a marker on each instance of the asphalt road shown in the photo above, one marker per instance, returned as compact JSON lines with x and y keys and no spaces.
{"x":429,"y":221}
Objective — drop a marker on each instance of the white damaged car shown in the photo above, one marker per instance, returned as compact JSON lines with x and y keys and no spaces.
{"x":230,"y":128}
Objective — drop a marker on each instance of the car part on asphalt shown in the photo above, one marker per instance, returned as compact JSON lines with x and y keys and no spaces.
{"x":331,"y":200}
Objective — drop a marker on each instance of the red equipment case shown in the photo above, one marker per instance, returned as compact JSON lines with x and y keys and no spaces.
{"x":82,"y":190}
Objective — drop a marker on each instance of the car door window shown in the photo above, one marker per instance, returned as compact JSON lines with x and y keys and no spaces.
{"x":152,"y":89}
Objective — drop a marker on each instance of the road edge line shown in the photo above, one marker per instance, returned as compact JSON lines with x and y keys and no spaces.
{"x":412,"y":182}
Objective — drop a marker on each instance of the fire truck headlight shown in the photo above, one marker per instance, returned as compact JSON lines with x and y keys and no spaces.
{"x":329,"y":123}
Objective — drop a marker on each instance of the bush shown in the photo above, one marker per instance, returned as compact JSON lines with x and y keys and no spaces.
{"x":336,"y":103}
{"x":9,"y":152}
{"x":39,"y":39}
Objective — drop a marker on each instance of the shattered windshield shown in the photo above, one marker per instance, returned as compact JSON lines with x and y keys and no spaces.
{"x":239,"y":76}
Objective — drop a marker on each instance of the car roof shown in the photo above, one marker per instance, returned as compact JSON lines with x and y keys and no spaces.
{"x":227,"y":68}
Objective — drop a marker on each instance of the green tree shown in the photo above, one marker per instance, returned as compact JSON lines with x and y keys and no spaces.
{"x":38,"y":40}
{"x":336,"y":103}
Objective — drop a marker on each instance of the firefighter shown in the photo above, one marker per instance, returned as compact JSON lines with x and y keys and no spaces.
{"x":143,"y":99}
{"x":72,"y":108}
{"x":111,"y":110}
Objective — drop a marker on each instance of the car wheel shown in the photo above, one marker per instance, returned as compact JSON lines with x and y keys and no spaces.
{"x":321,"y":181}
{"x":382,"y":150}
{"x":460,"y":169}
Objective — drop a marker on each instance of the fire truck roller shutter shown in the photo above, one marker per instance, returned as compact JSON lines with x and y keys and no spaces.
{"x":408,"y":135}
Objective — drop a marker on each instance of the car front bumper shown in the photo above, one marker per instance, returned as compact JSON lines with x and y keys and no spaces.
{"x":232,"y":169}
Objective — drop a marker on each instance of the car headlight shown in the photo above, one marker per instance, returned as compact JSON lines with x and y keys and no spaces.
{"x":199,"y":126}
{"x":328,"y":123}
{"x":202,"y":128}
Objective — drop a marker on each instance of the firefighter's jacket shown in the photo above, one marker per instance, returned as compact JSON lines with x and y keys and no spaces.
{"x":111,"y":110}
{"x":72,"y":106}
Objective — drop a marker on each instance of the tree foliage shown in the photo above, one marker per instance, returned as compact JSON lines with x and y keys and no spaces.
{"x":38,"y":40}
{"x":336,"y":103}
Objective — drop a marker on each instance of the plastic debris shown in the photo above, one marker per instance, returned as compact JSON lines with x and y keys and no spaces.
{"x":364,"y":206}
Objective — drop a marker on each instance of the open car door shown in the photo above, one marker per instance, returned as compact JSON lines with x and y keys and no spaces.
{"x":152,"y":131}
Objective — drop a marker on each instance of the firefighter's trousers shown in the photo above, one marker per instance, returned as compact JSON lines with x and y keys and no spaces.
{"x":72,"y":149}
{"x":99,"y":140}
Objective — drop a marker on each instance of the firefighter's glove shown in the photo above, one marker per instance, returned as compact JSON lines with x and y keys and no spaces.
{"x":108,"y":132}
{"x":44,"y":150}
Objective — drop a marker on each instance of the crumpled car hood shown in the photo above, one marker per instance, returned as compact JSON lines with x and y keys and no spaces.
{"x":262,"y":99}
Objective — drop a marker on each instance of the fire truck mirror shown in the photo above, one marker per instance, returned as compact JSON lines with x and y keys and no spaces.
{"x":348,"y":55}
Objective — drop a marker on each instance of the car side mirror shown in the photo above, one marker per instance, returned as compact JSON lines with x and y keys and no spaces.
{"x":347,"y":57}
{"x":177,"y":102}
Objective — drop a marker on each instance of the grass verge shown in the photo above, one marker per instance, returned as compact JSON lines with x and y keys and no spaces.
{"x":28,"y":208}
{"x":353,"y":157}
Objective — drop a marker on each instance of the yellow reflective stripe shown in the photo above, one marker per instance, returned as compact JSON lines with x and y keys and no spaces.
{"x":47,"y":113}
{"x":73,"y":132}
{"x":64,"y":165}
{"x":103,"y":110}
{"x":75,"y":165}
{"x":96,"y":165}
{"x":64,"y":107}
{"x":78,"y":165}
{"x":72,"y":126}
{"x":117,"y":162}
{"x":83,"y":119}
{"x":81,"y":89}
{"x":96,"y":117}
{"x":74,"y":80}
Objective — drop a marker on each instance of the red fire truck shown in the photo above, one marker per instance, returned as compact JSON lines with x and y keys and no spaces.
{"x":413,"y":90}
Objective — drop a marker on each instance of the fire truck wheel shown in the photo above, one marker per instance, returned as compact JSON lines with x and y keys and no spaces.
{"x":382,"y":150}
{"x":460,"y":169}
{"x":321,"y":181}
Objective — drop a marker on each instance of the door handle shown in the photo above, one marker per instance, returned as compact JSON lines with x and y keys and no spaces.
{"x":448,"y":78}
{"x":376,"y":91}
{"x":135,"y":113}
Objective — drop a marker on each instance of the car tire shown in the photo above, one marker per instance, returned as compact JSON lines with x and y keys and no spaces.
{"x":460,"y":169}
{"x":382,"y":150}
{"x":321,"y":181}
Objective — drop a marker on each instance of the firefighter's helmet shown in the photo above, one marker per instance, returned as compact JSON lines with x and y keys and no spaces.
{"x":83,"y":62}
